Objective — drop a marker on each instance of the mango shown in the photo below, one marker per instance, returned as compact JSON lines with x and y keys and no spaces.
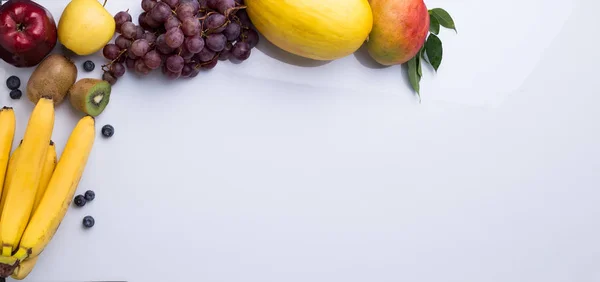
{"x":317,"y":29}
{"x":400,"y":28}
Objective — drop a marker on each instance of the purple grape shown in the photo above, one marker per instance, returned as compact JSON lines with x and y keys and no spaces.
{"x":152,"y":59}
{"x":195,"y":4}
{"x":121,"y":18}
{"x":173,"y":75}
{"x":130,"y":63}
{"x":117,"y":69}
{"x":221,"y":5}
{"x":251,"y":37}
{"x":160,"y":12}
{"x":187,"y":70}
{"x":184,"y":52}
{"x":186,"y":10}
{"x":205,"y":55}
{"x":123,"y":42}
{"x":210,"y":65}
{"x":161,"y":45}
{"x":129,"y":30}
{"x":203,"y":4}
{"x":148,"y":22}
{"x":108,"y":77}
{"x":147,"y":5}
{"x":174,"y":37}
{"x":172,"y":3}
{"x":140,"y":47}
{"x":194,"y":44}
{"x":216,"y":42}
{"x":190,"y":26}
{"x":139,"y":32}
{"x":130,"y":54}
{"x":241,"y":50}
{"x":111,"y":51}
{"x":169,"y":74}
{"x":142,"y":21}
{"x":232,"y":31}
{"x":141,"y":68}
{"x":215,"y":23}
{"x":150,"y":37}
{"x":242,"y":15}
{"x":226,"y":53}
{"x":171,"y":22}
{"x":195,"y":72}
{"x":174,"y":63}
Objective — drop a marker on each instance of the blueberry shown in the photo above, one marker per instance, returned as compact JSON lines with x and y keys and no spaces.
{"x":108,"y":130}
{"x":89,"y":66}
{"x":90,"y":195}
{"x":80,"y":201}
{"x":13,"y":82}
{"x":16,"y":94}
{"x":88,"y":221}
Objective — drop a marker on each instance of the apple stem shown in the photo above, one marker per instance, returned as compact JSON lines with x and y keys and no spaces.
{"x":104,"y":3}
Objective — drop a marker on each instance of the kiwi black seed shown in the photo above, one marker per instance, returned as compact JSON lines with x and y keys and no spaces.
{"x":90,"y":96}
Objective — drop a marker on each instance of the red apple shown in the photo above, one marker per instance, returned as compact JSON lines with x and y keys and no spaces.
{"x":27,"y":33}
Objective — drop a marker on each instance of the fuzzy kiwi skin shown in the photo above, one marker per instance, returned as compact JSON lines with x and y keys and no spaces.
{"x":78,"y":93}
{"x":52,"y":77}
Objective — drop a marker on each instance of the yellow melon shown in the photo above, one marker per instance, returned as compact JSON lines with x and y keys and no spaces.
{"x":316,"y":29}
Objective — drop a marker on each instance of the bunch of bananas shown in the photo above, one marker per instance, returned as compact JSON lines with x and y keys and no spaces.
{"x":36,"y":189}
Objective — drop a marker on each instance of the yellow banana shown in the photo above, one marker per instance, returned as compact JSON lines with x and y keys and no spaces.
{"x":27,"y":266}
{"x":26,"y":178}
{"x":9,"y":173}
{"x":60,"y":191}
{"x":24,"y":268}
{"x":48,"y":169}
{"x":7,"y":133}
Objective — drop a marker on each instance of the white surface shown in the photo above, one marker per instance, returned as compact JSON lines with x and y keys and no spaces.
{"x":268,"y":171}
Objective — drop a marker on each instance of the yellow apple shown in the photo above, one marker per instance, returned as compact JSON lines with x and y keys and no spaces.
{"x":85,"y":27}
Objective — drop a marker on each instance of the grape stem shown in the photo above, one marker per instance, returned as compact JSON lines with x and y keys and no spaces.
{"x":106,"y":67}
{"x":233,"y":10}
{"x":199,"y":65}
{"x":211,"y":30}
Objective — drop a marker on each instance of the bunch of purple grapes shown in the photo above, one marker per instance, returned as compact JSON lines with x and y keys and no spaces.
{"x":181,"y":37}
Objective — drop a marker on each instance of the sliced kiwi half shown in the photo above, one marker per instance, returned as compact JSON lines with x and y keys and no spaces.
{"x":90,"y":96}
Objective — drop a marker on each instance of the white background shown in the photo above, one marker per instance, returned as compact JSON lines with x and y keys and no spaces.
{"x":283,"y":170}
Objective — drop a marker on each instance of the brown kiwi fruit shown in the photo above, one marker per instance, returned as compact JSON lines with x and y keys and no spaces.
{"x":52,"y":78}
{"x":90,"y":96}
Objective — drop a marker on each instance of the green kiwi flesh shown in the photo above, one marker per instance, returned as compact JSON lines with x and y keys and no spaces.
{"x":90,"y":96}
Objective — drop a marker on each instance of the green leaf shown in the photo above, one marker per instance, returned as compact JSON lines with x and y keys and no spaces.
{"x":443,"y":18}
{"x":434,"y":50}
{"x":434,"y":25}
{"x":413,"y":75}
{"x":423,"y":57}
{"x":418,"y":56}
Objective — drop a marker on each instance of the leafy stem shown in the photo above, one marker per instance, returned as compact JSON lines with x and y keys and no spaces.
{"x":432,"y":50}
